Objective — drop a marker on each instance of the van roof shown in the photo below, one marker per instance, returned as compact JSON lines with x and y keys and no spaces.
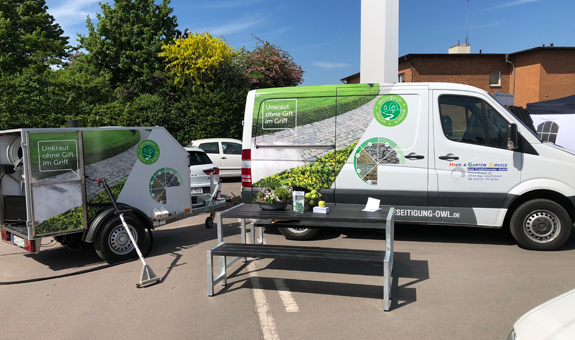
{"x":351,"y":89}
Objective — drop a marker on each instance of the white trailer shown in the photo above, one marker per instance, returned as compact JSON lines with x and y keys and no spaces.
{"x":45,"y":191}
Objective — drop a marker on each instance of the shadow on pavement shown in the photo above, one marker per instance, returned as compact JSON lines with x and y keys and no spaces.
{"x":414,"y":271}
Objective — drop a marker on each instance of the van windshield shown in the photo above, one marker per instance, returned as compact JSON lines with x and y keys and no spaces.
{"x":517,"y":118}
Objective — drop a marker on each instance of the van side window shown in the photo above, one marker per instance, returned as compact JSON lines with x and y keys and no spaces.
{"x":472,"y":120}
{"x":232,"y":148}
{"x":210,"y":147}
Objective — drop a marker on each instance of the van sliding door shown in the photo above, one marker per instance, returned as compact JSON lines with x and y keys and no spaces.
{"x":387,"y":137}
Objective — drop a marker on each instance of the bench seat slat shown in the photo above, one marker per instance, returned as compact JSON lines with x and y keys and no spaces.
{"x":298,"y":252}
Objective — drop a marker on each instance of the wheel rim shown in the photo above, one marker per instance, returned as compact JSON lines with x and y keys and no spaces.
{"x":542,"y":226}
{"x":297,"y":230}
{"x":119,"y":241}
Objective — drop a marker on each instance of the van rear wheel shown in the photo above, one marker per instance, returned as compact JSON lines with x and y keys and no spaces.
{"x":298,"y":233}
{"x":540,"y":224}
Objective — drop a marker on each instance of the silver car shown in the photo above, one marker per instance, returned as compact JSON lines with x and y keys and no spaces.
{"x":201,"y":167}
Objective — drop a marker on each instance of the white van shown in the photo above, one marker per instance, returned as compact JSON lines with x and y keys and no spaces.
{"x":439,"y":153}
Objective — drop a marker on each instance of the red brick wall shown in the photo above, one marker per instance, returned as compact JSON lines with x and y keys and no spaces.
{"x":463,"y":69}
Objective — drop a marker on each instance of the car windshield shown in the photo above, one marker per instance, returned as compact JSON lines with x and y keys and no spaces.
{"x":197,"y":157}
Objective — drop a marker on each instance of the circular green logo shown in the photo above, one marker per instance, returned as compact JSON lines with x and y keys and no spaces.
{"x":390,"y":110}
{"x":148,"y":152}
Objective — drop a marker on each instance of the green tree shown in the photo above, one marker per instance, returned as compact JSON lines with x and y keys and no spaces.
{"x":29,"y":37}
{"x":270,"y":66}
{"x":128,"y":38}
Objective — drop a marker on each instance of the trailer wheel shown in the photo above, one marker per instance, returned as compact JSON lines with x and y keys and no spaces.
{"x":298,"y":233}
{"x":113,"y":243}
{"x":209,"y":222}
{"x":540,"y":224}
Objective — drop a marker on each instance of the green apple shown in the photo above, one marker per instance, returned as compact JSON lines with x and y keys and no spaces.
{"x":307,"y":194}
{"x":313,"y":191}
{"x":312,"y":202}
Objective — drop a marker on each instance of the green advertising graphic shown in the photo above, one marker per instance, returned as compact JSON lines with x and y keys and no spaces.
{"x":390,"y":110}
{"x":373,"y":153}
{"x":161,"y":180}
{"x":58,"y":155}
{"x":286,"y":108}
{"x":148,"y":152}
{"x":279,"y":114}
{"x":57,"y":186}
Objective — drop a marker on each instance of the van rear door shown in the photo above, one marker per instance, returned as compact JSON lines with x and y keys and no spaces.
{"x":292,"y":129}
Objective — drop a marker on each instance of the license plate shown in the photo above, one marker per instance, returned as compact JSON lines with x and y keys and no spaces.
{"x":18,"y":241}
{"x":197,"y":191}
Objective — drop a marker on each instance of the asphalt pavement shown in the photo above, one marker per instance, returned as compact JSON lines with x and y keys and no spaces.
{"x":448,"y":283}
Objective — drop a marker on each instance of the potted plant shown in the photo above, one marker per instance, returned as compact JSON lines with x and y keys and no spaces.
{"x":272,"y":195}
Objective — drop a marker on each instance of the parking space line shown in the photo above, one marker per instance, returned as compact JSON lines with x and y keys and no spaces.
{"x":265,"y":317}
{"x":286,"y":296}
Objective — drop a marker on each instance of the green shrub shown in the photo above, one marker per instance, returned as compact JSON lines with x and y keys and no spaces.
{"x":314,"y":175}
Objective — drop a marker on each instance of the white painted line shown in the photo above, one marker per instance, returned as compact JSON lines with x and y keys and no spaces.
{"x":285,"y":295}
{"x":266,"y":319}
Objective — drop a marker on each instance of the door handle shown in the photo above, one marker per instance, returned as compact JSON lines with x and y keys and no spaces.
{"x":449,"y":157}
{"x":224,"y":158}
{"x":413,"y":156}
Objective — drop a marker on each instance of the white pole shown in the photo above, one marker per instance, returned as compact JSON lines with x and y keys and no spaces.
{"x":379,"y":41}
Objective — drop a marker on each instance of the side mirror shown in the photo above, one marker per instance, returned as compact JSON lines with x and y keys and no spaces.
{"x":512,"y":137}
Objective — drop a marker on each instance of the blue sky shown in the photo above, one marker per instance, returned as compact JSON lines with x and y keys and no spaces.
{"x":324,"y":36}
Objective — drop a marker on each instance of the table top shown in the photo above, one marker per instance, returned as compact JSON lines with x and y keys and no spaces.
{"x":340,"y":213}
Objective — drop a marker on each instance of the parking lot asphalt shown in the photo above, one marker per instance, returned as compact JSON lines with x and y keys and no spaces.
{"x":448,"y":283}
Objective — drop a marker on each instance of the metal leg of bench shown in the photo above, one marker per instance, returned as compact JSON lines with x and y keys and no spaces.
{"x":253,"y":232}
{"x":221,"y":259}
{"x":243,"y":223}
{"x":261,"y":235}
{"x":224,"y":273}
{"x":210,"y":274}
{"x":388,"y":260}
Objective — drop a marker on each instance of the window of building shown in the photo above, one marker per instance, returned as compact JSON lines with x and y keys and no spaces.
{"x":472,"y":120}
{"x":494,"y":78}
{"x":401,"y":78}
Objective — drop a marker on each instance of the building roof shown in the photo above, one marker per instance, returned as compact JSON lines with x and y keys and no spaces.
{"x":411,"y":56}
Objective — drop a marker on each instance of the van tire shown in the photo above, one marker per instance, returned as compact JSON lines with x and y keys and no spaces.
{"x":540,"y":224}
{"x":298,"y":233}
{"x":113,"y":243}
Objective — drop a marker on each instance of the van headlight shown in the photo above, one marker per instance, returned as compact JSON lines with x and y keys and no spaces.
{"x":512,"y":335}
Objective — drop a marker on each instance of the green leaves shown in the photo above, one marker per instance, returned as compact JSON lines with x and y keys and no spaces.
{"x":29,"y":37}
{"x":128,"y":38}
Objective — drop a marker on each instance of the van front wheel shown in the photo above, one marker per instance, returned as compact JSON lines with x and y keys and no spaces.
{"x":540,"y":224}
{"x":298,"y":233}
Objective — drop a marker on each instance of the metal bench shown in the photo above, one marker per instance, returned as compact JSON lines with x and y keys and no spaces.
{"x":381,"y":219}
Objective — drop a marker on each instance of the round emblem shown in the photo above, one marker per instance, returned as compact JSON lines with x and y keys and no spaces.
{"x":390,"y":110}
{"x":148,"y":152}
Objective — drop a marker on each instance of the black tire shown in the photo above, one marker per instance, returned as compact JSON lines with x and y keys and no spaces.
{"x":540,"y":224}
{"x":113,"y":243}
{"x":298,"y":233}
{"x":209,"y":222}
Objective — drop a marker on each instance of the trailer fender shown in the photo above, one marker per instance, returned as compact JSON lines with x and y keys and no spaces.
{"x":102,"y":217}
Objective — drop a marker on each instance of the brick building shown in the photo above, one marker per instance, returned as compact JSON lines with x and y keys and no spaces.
{"x":541,"y":73}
